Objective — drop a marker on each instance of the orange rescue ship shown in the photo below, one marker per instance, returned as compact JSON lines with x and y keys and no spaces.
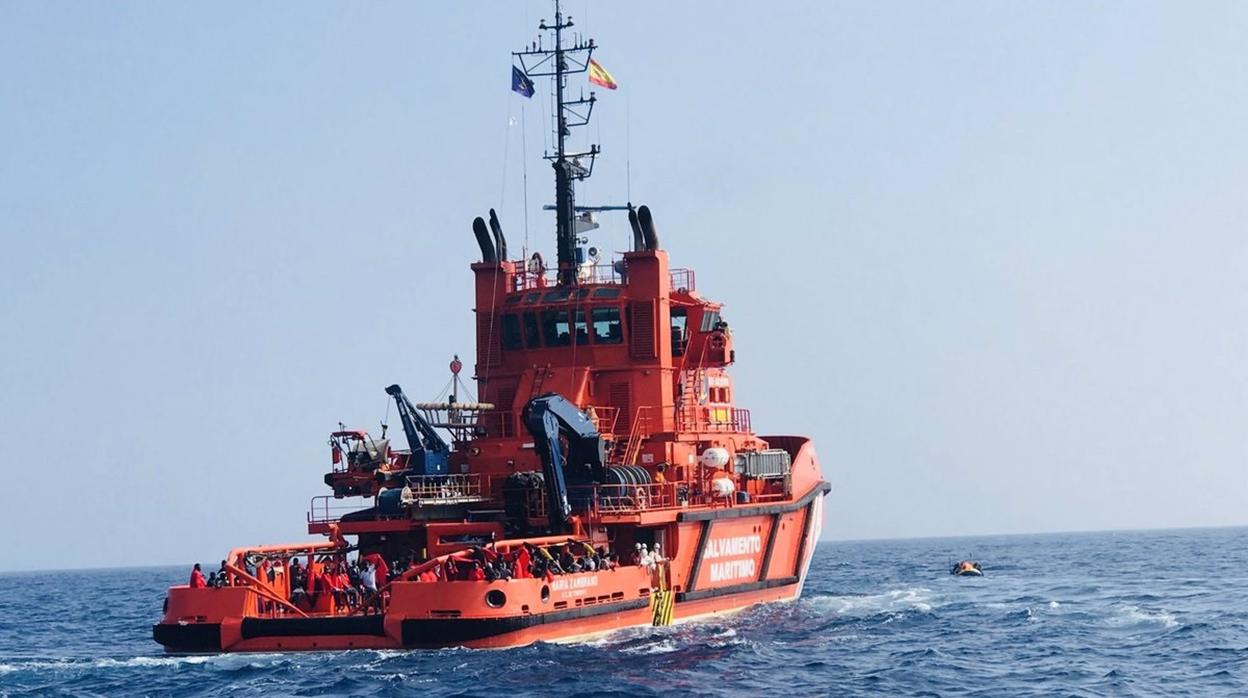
{"x":605,"y":421}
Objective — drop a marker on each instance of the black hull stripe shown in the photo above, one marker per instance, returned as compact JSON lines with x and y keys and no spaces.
{"x":771,"y":546}
{"x":192,"y":637}
{"x":735,"y":589}
{"x":305,"y":627}
{"x":440,"y":632}
{"x":743,"y":510}
{"x":801,"y":548}
{"x":703,"y":535}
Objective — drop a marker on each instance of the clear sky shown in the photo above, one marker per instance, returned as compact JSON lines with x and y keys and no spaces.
{"x":993,"y":257}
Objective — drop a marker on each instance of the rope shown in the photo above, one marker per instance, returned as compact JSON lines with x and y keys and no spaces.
{"x":524,"y":157}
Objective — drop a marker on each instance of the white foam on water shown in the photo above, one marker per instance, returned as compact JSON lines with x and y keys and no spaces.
{"x":1055,"y":604}
{"x":101,"y":663}
{"x":662,"y":647}
{"x":1134,"y":615}
{"x":895,"y":601}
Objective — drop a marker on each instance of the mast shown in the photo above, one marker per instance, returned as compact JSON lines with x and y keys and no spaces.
{"x":558,"y":63}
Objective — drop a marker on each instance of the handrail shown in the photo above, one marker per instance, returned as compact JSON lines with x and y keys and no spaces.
{"x":320,"y":511}
{"x":632,"y":499}
{"x":680,"y":279}
{"x":636,"y":434}
{"x":261,"y":589}
{"x":457,"y":486}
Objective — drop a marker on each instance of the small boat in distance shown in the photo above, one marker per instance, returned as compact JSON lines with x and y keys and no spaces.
{"x":967,"y":568}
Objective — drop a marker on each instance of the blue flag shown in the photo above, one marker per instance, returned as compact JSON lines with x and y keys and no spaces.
{"x":521,"y":82}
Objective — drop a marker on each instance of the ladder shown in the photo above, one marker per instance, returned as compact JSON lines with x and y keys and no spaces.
{"x":663,"y":599}
{"x":635,"y":436}
{"x":539,"y":377}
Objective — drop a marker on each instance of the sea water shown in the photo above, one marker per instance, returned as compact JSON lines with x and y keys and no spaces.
{"x":1138,"y":613}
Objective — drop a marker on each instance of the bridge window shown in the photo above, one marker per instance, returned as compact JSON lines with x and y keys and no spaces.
{"x":555,"y":328}
{"x":532,"y":337}
{"x":511,"y":331}
{"x":561,"y":294}
{"x":680,"y":330}
{"x":582,"y":328}
{"x":709,"y":320}
{"x":607,"y":326}
{"x":606,"y":293}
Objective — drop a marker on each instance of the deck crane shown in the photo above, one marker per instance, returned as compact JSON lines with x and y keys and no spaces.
{"x":550,"y":418}
{"x":430,"y":454}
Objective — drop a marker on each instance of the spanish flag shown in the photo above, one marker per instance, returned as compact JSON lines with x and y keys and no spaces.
{"x":599,"y":75}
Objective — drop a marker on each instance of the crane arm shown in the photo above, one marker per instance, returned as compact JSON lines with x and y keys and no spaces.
{"x":551,"y":418}
{"x":430,"y":454}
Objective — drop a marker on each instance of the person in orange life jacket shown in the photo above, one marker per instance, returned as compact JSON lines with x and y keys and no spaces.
{"x":313,"y":585}
{"x":659,"y":478}
{"x":328,"y":583}
{"x":476,"y":574}
{"x":197,"y":578}
{"x":523,"y":561}
{"x":349,"y":594}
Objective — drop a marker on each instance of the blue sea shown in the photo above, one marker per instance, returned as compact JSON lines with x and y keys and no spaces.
{"x":1095,"y":614}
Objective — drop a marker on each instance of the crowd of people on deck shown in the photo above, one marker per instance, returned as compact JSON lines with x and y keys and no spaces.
{"x":361,"y":584}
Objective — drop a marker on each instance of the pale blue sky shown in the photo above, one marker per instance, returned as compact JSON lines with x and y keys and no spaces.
{"x":991,"y":256}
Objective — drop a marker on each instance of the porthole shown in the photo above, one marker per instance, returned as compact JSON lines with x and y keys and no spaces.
{"x":495,"y":598}
{"x":545,"y":593}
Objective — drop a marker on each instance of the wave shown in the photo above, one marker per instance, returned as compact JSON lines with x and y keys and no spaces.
{"x":916,"y":599}
{"x":1134,"y":615}
{"x":224,"y":661}
{"x":664,"y":646}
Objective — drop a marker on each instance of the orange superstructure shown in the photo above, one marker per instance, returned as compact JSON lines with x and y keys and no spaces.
{"x":605,"y":421}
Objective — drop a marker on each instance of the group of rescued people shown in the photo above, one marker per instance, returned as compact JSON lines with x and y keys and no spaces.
{"x":361,"y":584}
{"x":351,"y":585}
{"x":644,"y":556}
{"x":526,"y":561}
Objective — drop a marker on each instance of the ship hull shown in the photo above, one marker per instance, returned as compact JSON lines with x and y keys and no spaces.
{"x":442,"y":633}
{"x":723,"y":560}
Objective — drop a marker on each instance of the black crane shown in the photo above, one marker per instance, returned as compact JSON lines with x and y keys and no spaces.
{"x":430,"y":454}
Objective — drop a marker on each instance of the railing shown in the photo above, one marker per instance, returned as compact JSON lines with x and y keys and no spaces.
{"x":442,"y":489}
{"x":605,"y":418}
{"x":680,"y":279}
{"x":321,"y":510}
{"x":632,"y":499}
{"x":640,"y":430}
{"x":713,"y":418}
{"x":683,"y":280}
